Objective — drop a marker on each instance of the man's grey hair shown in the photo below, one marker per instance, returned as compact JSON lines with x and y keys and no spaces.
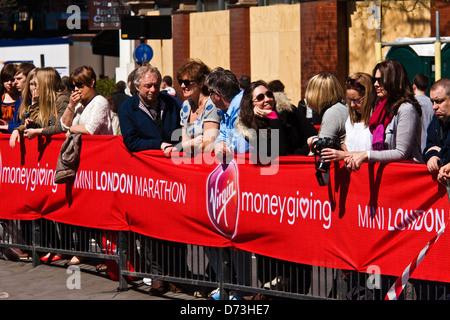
{"x":224,"y":82}
{"x":141,"y":71}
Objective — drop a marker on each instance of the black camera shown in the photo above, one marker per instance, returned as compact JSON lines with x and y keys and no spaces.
{"x":321,"y":166}
{"x":31,"y":125}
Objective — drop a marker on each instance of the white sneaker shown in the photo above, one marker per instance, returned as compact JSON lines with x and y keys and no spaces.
{"x":278,"y":281}
{"x":147,"y":281}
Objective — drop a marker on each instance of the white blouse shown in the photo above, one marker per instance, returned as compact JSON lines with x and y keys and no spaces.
{"x":358,"y":136}
{"x":96,"y":116}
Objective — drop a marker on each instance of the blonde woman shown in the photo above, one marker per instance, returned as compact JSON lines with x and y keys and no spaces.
{"x":360,"y":100}
{"x":325,"y":95}
{"x":42,"y":106}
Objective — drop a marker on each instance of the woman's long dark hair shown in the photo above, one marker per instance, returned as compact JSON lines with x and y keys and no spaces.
{"x":396,"y":82}
{"x":246,"y":114}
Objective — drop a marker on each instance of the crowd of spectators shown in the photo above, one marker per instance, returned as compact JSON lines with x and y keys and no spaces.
{"x":378,"y":117}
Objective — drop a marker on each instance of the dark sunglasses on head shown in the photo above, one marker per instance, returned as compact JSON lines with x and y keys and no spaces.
{"x":185,"y":82}
{"x":260,"y":97}
{"x":354,"y":83}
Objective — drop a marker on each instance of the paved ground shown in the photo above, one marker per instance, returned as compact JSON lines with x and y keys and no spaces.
{"x":21,"y":281}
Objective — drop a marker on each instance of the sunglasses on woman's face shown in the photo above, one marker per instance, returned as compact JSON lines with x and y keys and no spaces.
{"x":79,"y":85}
{"x":185,"y":82}
{"x":379,"y":80}
{"x":260,"y":97}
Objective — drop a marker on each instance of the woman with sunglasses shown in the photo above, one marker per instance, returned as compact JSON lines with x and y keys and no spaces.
{"x":200,"y":119}
{"x":325,"y":96}
{"x":395,"y":122}
{"x":88,"y":112}
{"x":360,"y":101}
{"x":42,"y":106}
{"x":263,"y":109}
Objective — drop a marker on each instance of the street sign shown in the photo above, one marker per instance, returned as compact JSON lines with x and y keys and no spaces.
{"x":143,"y":53}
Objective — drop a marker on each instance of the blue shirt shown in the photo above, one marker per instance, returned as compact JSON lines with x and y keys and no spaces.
{"x":227,"y":130}
{"x":15,"y":121}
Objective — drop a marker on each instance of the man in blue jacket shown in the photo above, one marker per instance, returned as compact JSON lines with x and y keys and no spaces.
{"x":150,"y":117}
{"x":436,"y":152}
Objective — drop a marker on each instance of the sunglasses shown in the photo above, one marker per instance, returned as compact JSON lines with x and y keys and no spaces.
{"x":185,"y":82}
{"x":79,"y":85}
{"x":260,"y":97}
{"x":354,"y":83}
{"x":379,"y":80}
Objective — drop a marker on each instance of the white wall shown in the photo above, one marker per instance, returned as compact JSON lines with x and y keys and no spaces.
{"x":63,"y":57}
{"x":55,"y":55}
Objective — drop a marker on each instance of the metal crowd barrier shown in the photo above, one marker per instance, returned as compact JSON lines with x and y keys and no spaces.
{"x":232,"y":271}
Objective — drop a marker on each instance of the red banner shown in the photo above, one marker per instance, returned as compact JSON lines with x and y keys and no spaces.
{"x":379,"y":217}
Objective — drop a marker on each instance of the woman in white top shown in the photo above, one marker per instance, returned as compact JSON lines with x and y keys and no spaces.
{"x":88,"y":112}
{"x":360,"y":101}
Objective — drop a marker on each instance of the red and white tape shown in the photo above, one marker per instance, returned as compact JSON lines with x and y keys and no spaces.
{"x":395,"y":291}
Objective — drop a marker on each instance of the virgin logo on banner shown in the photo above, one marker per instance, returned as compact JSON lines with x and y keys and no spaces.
{"x":223,"y":198}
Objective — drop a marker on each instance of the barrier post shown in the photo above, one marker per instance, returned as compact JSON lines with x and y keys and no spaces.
{"x":35,"y":242}
{"x":122,"y":245}
{"x":220,"y":261}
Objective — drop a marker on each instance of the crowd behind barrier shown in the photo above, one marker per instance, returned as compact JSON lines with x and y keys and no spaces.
{"x":229,"y":138}
{"x":356,"y":222}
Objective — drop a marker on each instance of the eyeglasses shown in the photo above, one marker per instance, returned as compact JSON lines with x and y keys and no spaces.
{"x":185,"y":82}
{"x":355,"y":101}
{"x":260,"y":97}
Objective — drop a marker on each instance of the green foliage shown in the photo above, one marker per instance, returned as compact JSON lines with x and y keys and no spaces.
{"x":106,"y":86}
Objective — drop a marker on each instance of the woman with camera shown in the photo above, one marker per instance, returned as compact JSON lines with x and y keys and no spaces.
{"x":360,"y":100}
{"x":395,"y":122}
{"x":325,"y":96}
{"x":42,"y":106}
